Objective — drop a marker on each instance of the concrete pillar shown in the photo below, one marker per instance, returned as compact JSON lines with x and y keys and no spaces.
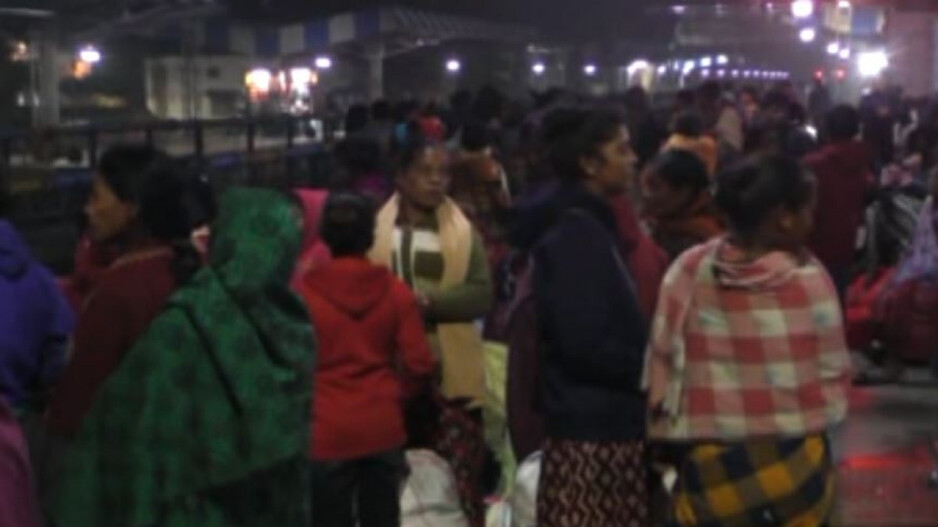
{"x":376,"y":71}
{"x":47,"y":74}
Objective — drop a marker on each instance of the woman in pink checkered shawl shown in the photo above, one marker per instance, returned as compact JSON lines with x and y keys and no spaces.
{"x":747,"y":367}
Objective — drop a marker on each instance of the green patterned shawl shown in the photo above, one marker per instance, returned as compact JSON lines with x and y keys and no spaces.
{"x":207,"y":420}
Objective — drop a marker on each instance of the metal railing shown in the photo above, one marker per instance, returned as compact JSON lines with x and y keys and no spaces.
{"x":48,"y":173}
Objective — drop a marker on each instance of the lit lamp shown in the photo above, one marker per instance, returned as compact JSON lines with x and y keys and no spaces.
{"x":323,"y":62}
{"x":802,"y":8}
{"x":807,"y":35}
{"x":872,"y":63}
{"x":89,"y":55}
{"x":453,"y":66}
{"x":258,"y":81}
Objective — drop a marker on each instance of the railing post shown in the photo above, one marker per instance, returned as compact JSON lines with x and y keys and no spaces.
{"x":93,"y":148}
{"x":199,"y":140}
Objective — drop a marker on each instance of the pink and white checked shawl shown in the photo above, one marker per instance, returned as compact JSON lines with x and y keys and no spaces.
{"x":744,"y":349}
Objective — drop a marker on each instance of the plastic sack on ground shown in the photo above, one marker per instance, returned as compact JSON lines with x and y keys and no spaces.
{"x":430,"y":498}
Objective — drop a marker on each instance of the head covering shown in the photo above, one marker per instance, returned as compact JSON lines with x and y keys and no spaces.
{"x":313,"y":253}
{"x":17,"y":502}
{"x":213,"y":397}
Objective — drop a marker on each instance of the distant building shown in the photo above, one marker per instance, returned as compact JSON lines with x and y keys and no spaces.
{"x":200,"y":87}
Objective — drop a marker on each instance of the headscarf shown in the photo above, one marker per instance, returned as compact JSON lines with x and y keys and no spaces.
{"x":215,"y":392}
{"x":314,"y":252}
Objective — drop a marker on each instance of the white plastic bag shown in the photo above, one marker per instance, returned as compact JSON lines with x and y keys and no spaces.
{"x":430,"y":498}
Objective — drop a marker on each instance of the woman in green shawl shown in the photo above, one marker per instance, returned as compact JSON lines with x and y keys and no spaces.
{"x":206,"y":422}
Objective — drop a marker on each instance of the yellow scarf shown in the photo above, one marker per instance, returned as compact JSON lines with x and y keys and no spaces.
{"x":461,"y":346}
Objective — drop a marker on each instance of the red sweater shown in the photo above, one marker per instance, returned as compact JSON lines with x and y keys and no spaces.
{"x":372,"y":352}
{"x":127,"y":298}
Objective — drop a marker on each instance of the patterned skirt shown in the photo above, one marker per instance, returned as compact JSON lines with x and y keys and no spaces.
{"x":765,"y":482}
{"x":586,"y":484}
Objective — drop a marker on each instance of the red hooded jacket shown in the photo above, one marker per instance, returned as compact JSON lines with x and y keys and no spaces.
{"x":373,"y":353}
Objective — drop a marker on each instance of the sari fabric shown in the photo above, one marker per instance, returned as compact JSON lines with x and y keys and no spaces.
{"x":206,"y":422}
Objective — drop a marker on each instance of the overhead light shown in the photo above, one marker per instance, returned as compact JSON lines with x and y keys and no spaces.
{"x":706,"y":62}
{"x":843,"y":4}
{"x":722,"y":60}
{"x":637,"y":65}
{"x":662,"y":69}
{"x":323,"y":62}
{"x":872,"y":63}
{"x":735,"y":74}
{"x":259,"y":80}
{"x":301,"y":76}
{"x":90,"y":54}
{"x":833,"y":48}
{"x":802,"y":8}
{"x":807,"y":34}
{"x":539,"y":68}
{"x":705,"y":73}
{"x":453,"y":66}
{"x":844,"y":53}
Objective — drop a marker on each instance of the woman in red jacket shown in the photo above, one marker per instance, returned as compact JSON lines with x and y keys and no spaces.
{"x":373,"y":355}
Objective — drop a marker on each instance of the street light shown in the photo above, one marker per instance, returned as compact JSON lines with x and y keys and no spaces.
{"x":872,"y":63}
{"x":706,"y":62}
{"x":589,"y":70}
{"x":453,"y":66}
{"x":833,"y":48}
{"x":323,"y":62}
{"x":807,"y":35}
{"x":723,"y":60}
{"x":538,"y":68}
{"x":844,"y":53}
{"x":90,"y":55}
{"x":802,"y":8}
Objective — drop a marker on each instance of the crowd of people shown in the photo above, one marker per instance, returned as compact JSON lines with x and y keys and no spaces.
{"x":667,"y":287}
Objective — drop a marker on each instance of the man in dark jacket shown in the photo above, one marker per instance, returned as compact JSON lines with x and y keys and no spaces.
{"x":843,"y":180}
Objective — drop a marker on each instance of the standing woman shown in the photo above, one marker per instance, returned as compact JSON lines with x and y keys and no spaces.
{"x":593,"y":333}
{"x":137,"y":210}
{"x":206,"y":420}
{"x":678,"y":203}
{"x":748,"y":367}
{"x":430,"y":244}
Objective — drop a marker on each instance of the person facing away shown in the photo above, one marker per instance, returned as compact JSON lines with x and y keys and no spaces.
{"x":593,"y":332}
{"x":137,"y":209}
{"x":35,"y":324}
{"x":748,"y":370}
{"x":843,"y":183}
{"x":206,"y":419}
{"x":677,"y":202}
{"x":373,"y":356}
{"x":427,"y":241}
{"x":687,"y":134}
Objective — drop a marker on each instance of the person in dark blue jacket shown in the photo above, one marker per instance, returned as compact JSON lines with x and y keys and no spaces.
{"x":592,"y":331}
{"x":35,"y":324}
